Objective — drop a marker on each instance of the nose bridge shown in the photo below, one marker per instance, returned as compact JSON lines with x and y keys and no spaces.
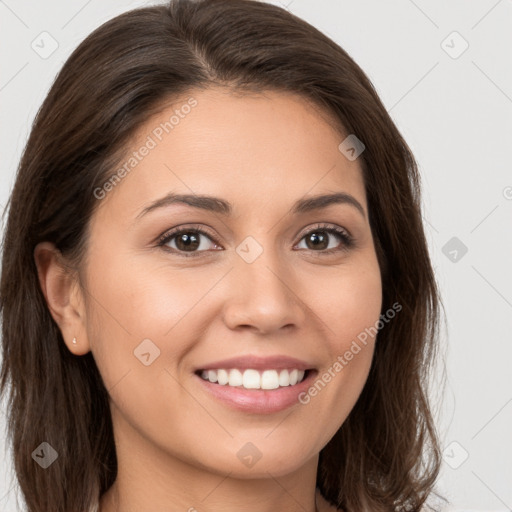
{"x":261,"y":266}
{"x":262,"y":292}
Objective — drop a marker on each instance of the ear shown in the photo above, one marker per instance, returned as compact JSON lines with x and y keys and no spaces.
{"x":63,"y":296}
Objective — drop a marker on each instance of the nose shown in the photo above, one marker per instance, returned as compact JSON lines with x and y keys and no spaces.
{"x":263,"y":296}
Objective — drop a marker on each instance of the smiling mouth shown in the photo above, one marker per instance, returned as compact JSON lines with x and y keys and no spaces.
{"x":254,"y":379}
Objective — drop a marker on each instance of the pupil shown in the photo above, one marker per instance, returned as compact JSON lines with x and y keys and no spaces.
{"x":317,"y":238}
{"x":187,"y":240}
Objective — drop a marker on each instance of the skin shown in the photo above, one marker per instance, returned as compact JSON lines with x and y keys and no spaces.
{"x":176,"y":445}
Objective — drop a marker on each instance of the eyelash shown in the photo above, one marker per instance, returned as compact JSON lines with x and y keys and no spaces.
{"x":347,"y":239}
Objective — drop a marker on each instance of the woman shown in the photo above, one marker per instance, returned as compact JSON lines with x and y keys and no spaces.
{"x":216,"y":291}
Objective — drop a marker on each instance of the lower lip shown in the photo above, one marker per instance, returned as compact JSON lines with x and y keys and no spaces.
{"x":259,"y":401}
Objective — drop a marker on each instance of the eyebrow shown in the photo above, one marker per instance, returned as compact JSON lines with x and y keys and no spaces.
{"x":222,"y":207}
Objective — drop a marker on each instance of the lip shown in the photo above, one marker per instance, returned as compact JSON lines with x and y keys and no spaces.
{"x":258,"y":401}
{"x":277,"y":362}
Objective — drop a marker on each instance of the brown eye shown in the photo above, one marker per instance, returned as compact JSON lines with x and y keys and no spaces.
{"x":192,"y":241}
{"x":318,"y":239}
{"x":187,"y":240}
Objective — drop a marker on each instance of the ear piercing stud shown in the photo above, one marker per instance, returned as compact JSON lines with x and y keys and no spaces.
{"x":74,"y":341}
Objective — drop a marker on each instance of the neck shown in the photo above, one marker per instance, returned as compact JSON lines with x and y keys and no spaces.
{"x":116,"y":499}
{"x":155,"y":480}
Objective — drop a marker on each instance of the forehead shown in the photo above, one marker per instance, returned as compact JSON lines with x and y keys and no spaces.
{"x":255,"y":150}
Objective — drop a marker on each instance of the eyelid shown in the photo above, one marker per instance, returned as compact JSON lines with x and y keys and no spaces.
{"x":171,"y":233}
{"x":348,"y":242}
{"x":325,"y":226}
{"x":344,"y":234}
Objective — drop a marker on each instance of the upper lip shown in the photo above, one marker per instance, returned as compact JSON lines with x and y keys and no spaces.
{"x":278,"y":362}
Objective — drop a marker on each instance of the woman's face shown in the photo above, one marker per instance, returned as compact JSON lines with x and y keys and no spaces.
{"x":267,"y":284}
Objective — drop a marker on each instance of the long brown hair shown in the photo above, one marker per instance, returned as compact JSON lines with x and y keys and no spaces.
{"x":386,"y":455}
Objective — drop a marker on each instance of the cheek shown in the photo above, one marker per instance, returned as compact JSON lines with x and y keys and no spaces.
{"x":360,"y":306}
{"x":348,"y":302}
{"x":349,"y":306}
{"x":145,"y":298}
{"x":142,"y":298}
{"x":357,"y":324}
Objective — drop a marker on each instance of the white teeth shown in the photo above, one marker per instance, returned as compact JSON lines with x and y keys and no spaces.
{"x":269,"y":379}
{"x":284,"y":378}
{"x":222,"y":377}
{"x":235,"y":378}
{"x":253,"y":379}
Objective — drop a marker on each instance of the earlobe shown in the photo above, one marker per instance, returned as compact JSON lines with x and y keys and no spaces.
{"x":63,"y":296}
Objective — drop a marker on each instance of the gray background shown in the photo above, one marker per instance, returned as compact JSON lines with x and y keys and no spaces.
{"x":454,"y":108}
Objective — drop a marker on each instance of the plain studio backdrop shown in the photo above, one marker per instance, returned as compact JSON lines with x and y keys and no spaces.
{"x":443,"y":72}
